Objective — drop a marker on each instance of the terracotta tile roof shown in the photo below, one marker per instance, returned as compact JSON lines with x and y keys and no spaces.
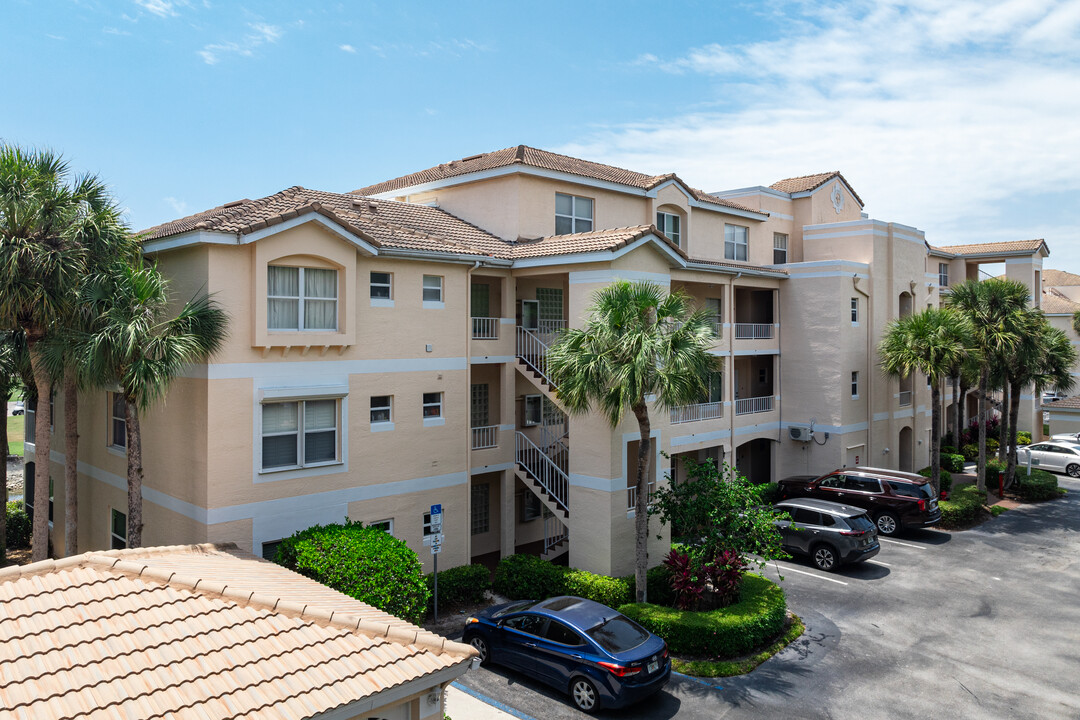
{"x":808,"y":183}
{"x":739,"y":266}
{"x":196,"y":632}
{"x":1059,"y":278}
{"x":1009,"y":246}
{"x":1069,"y":403}
{"x":593,"y":241}
{"x":534,"y":157}
{"x":1056,"y":303}
{"x":384,"y":223}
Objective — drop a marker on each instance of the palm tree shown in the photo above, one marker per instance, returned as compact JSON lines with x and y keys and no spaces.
{"x":9,"y":380}
{"x":47,"y":221}
{"x":993,"y":307}
{"x":137,"y":343}
{"x":931,"y":342}
{"x":637,"y":341}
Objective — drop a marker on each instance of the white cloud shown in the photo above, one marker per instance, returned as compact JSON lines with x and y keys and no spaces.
{"x":179,"y":206}
{"x":114,"y":31}
{"x":347,"y":48}
{"x":947,"y":116}
{"x":245,"y":46}
{"x":161,"y":8}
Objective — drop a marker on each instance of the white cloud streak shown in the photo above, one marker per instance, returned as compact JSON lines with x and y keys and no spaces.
{"x":947,"y":116}
{"x":347,"y":48}
{"x":161,"y":8}
{"x":260,"y":34}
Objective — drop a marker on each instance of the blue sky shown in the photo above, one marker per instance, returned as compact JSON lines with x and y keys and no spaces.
{"x":957,"y":117}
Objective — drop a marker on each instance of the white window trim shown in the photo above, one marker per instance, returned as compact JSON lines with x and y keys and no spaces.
{"x":300,"y":306}
{"x":573,"y":217}
{"x":116,"y":449}
{"x":433,"y":420}
{"x":745,"y":244}
{"x":381,"y":425}
{"x":854,"y":308}
{"x":943,"y":275}
{"x":299,"y":394}
{"x":387,"y":521}
{"x":381,"y":301}
{"x":855,"y":385}
{"x":677,"y":237}
{"x":778,"y":236}
{"x":424,"y":287}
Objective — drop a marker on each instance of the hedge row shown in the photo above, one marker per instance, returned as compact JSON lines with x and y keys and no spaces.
{"x":462,"y":585}
{"x":963,"y":507}
{"x":528,"y":577}
{"x":1039,"y":485}
{"x":728,"y":632}
{"x":18,"y":526}
{"x":946,"y":478}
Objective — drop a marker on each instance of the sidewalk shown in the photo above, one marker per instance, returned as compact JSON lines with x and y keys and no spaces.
{"x":461,"y":705}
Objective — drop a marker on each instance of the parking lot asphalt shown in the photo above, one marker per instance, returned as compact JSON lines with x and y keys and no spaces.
{"x":975,"y":624}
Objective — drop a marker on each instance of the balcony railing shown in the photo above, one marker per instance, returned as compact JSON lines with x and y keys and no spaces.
{"x":753,"y":331}
{"x":485,"y":328}
{"x":485,"y":437}
{"x":905,"y":398}
{"x":746,"y":406}
{"x":631,"y":495}
{"x":694,"y":413}
{"x":550,"y":327}
{"x":541,"y":467}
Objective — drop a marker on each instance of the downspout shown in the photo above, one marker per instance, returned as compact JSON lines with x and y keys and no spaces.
{"x":468,"y":413}
{"x":731,"y":355}
{"x":869,"y":365}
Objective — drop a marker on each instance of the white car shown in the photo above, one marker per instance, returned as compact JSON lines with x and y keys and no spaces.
{"x":1052,"y":397}
{"x":1052,"y":455}
{"x":1073,"y":438}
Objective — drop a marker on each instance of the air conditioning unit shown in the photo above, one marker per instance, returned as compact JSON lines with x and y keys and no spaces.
{"x":800,"y":433}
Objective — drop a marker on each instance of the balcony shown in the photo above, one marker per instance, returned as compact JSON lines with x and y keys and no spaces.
{"x":485,"y":437}
{"x":748,"y":406}
{"x":696,"y":413}
{"x":905,"y":398}
{"x":753,"y":331}
{"x":485,"y":328}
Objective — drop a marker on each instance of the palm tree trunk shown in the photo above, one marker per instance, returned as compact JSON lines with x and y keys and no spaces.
{"x":980,"y":467}
{"x":1014,"y":416}
{"x":961,"y":411}
{"x":1006,"y":424}
{"x":42,"y":450}
{"x":134,"y":474}
{"x":71,"y":463}
{"x":935,"y":435}
{"x":956,"y":411}
{"x":3,"y":484}
{"x":641,"y":506}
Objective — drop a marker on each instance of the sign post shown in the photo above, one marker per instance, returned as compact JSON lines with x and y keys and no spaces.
{"x":436,"y":538}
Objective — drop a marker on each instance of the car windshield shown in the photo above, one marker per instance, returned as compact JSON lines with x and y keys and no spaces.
{"x":860,"y":523}
{"x":618,"y":634}
{"x":516,"y":607}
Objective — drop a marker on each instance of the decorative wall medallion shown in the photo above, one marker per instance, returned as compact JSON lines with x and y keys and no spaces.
{"x":837,"y":197}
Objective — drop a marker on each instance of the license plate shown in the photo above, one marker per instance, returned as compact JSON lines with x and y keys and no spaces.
{"x":653,"y":666}
{"x":933,"y":504}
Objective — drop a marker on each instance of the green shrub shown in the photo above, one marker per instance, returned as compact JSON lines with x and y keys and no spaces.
{"x":365,"y":563}
{"x":605,"y":590}
{"x":963,"y":507}
{"x":769,"y":493}
{"x":735,"y":630}
{"x":992,"y":445}
{"x":947,"y":450}
{"x":945,"y":477}
{"x":1023,"y":438}
{"x":463,"y":585}
{"x":528,"y":577}
{"x":996,"y":510}
{"x":993,"y":468}
{"x":970,"y":452}
{"x":657,"y":586}
{"x":952,"y":462}
{"x":19,"y":528}
{"x":1039,"y":485}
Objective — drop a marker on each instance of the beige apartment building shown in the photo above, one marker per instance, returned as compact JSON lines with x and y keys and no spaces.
{"x":388,"y":346}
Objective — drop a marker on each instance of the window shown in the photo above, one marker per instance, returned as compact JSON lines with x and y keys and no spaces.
{"x":301,"y":298}
{"x":427,"y":524}
{"x":30,"y":413}
{"x":736,"y":242}
{"x":481,"y":509}
{"x":480,"y":403}
{"x":381,"y":285}
{"x":533,"y":409}
{"x":803,"y":516}
{"x":854,"y":384}
{"x":572,"y":214}
{"x":671,"y":225}
{"x":559,"y":633}
{"x":433,"y":405}
{"x":854,"y":310}
{"x":763,"y":375}
{"x":381,"y":406}
{"x":301,"y":433}
{"x":269,"y":549}
{"x":118,"y":423}
{"x":387,"y":526}
{"x":943,"y":274}
{"x":861,"y":484}
{"x":779,"y":248}
{"x":531,"y":507}
{"x":118,"y":531}
{"x":433,"y":288}
{"x":528,"y":624}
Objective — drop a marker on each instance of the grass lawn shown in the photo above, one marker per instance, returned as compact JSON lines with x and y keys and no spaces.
{"x":15,"y":434}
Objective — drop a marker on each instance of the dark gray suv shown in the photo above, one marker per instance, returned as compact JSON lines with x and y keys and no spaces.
{"x":831,"y":534}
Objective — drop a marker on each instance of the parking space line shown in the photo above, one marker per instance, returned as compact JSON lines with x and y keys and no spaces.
{"x":814,"y":575}
{"x":878,"y":562}
{"x":897,"y":542}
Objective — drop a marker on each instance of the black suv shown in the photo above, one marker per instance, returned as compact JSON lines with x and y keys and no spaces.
{"x":894,"y":500}
{"x":829,"y":533}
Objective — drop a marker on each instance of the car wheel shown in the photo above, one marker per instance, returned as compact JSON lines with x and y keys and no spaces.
{"x":825,"y":558}
{"x":583,"y":693}
{"x":888,"y":523}
{"x":481,"y":646}
{"x":1073,"y":470}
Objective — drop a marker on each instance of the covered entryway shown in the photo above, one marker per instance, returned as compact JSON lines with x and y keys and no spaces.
{"x":907,"y":452}
{"x":753,"y":460}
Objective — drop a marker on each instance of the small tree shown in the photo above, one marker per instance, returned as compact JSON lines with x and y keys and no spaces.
{"x":719,"y":518}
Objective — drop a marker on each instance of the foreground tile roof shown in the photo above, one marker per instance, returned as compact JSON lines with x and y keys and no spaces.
{"x":1009,"y":246}
{"x":1069,"y":403}
{"x":1055,"y":303}
{"x":1059,"y":278}
{"x":808,"y":183}
{"x":592,"y":241}
{"x":196,"y":632}
{"x":534,"y":157}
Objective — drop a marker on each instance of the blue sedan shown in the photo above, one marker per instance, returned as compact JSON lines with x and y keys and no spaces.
{"x":599,"y":657}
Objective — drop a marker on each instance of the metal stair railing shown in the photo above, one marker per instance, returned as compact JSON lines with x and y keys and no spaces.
{"x":544,"y":470}
{"x":533,"y":352}
{"x":555,"y":532}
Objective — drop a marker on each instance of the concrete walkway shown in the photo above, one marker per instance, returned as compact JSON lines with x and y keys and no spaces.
{"x":463,"y":704}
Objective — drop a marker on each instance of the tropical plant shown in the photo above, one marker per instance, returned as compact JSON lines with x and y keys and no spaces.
{"x":931,"y":342}
{"x":48,"y":222}
{"x":994,"y":308}
{"x":638,"y":341}
{"x":9,"y":380}
{"x":137,"y":343}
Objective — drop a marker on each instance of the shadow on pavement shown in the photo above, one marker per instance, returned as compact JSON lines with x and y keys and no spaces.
{"x":925,"y":536}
